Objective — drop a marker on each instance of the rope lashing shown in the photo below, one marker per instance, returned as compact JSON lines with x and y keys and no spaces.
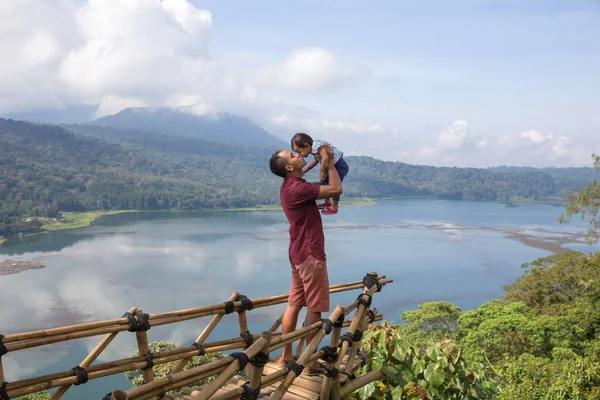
{"x":260,"y":360}
{"x":330,"y":354}
{"x":242,"y":359}
{"x":331,"y":373}
{"x":369,"y":281}
{"x":364,"y":302}
{"x":246,"y":302}
{"x":248,"y":338}
{"x":249,"y":393}
{"x":3,"y":349}
{"x":327,"y":325}
{"x":339,"y":322}
{"x":81,"y":374}
{"x":137,"y":323}
{"x":229,"y":307}
{"x":371,"y":315}
{"x":351,"y":338}
{"x":3,"y":394}
{"x":149,"y":360}
{"x":199,"y":347}
{"x":297,"y":368}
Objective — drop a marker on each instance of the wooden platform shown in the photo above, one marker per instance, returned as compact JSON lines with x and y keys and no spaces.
{"x":305,"y":387}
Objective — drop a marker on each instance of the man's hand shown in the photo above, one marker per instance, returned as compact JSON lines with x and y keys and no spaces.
{"x":329,"y":151}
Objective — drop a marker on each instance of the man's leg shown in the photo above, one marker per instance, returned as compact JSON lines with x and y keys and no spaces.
{"x":311,"y":318}
{"x":296,"y":301}
{"x":316,"y":289}
{"x":288,"y":324}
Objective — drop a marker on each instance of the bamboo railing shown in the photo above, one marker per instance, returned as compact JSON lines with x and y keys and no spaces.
{"x":251,"y":360}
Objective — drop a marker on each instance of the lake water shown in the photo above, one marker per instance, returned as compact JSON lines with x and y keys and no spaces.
{"x":457,"y":251}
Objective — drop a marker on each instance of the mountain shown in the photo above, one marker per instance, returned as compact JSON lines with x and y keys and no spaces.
{"x":218,"y":127}
{"x":72,"y":114}
{"x":47,"y":169}
{"x":576,"y":173}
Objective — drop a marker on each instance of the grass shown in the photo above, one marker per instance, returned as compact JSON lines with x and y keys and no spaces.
{"x":73,"y":220}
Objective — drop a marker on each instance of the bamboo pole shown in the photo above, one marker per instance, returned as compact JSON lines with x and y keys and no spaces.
{"x":276,"y":324}
{"x":90,"y":358}
{"x":32,"y":385}
{"x":333,"y":342}
{"x":356,"y":322}
{"x":310,"y":349}
{"x":233,"y":368}
{"x":153,"y":388}
{"x":243,"y":321}
{"x":27,"y":340}
{"x":204,"y":335}
{"x":138,"y":362}
{"x":143,"y":348}
{"x":193,"y":375}
{"x":359,"y":382}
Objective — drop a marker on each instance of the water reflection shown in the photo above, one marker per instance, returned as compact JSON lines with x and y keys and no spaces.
{"x":434,"y":250}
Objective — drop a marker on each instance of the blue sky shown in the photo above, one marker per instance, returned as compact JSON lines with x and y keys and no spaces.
{"x":462,"y":82}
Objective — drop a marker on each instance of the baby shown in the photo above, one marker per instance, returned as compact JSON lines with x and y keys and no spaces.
{"x":305,"y":145}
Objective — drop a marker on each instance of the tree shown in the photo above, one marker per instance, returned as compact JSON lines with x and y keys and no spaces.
{"x":586,"y":203}
{"x":432,"y":321}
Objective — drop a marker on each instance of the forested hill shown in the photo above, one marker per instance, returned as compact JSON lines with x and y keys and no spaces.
{"x":46,"y":169}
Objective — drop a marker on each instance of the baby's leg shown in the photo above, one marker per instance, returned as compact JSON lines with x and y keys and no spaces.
{"x":342,"y":168}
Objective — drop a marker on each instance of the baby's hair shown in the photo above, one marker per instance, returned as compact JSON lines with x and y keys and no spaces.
{"x":302,"y":140}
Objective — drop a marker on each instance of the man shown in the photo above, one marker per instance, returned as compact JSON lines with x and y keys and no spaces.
{"x":310,"y":282}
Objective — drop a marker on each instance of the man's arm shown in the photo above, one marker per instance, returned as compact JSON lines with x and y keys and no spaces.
{"x":334,"y":187}
{"x":310,"y":166}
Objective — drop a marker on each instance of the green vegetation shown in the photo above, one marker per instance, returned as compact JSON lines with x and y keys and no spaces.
{"x":50,"y":169}
{"x":162,"y":370}
{"x":540,"y":341}
{"x":36,"y":396}
{"x":72,"y":220}
{"x":436,"y":372}
{"x":586,"y":203}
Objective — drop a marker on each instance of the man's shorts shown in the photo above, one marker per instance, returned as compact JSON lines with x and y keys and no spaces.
{"x":310,"y":285}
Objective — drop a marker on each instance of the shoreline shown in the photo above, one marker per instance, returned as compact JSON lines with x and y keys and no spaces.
{"x":77,"y":220}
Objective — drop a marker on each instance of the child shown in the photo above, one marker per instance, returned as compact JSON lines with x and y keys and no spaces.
{"x":305,"y":145}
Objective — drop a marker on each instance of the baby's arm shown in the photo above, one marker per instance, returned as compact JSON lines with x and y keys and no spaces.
{"x":310,"y":166}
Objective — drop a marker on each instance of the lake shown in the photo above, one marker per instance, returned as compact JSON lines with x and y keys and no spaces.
{"x":458,"y":251}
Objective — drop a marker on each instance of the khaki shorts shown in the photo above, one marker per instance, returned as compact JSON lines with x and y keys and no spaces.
{"x":310,"y":285}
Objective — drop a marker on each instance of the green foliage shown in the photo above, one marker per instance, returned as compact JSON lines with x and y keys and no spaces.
{"x":565,"y":376}
{"x":432,"y":321}
{"x":586,"y":202}
{"x":36,"y":396}
{"x":49,"y":169}
{"x":497,"y":329}
{"x":437,"y":372}
{"x":163,"y":370}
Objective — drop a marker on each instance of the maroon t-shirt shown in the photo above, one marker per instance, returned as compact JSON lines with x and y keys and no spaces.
{"x":298,"y":199}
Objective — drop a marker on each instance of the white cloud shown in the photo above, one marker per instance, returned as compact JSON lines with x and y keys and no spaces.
{"x":133,"y":53}
{"x":454,"y":136}
{"x":311,"y":68}
{"x":536,"y":136}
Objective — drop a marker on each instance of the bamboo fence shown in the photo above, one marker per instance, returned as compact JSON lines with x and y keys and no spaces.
{"x":338,"y":382}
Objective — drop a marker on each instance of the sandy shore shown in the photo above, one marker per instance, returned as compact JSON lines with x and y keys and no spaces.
{"x":9,"y":267}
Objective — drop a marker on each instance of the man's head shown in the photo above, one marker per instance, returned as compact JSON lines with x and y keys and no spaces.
{"x":302,"y":144}
{"x":284,"y":163}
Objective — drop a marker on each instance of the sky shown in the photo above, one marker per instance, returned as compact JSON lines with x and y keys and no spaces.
{"x":461,"y":83}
